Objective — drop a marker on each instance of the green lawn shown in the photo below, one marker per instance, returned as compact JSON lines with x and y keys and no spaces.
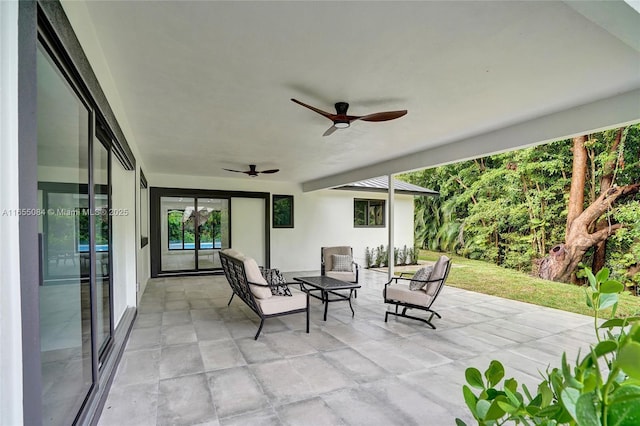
{"x":487,"y":278}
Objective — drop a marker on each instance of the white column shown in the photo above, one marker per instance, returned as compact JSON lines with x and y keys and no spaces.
{"x":10,"y":312}
{"x":391,"y":224}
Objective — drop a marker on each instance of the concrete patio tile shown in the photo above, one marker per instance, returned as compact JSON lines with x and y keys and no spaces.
{"x":294,"y":379}
{"x":360,"y":407}
{"x":176,"y":318}
{"x":185,"y":400}
{"x":180,"y":360}
{"x":266,"y":417}
{"x":236,"y":391}
{"x":400,"y":398}
{"x":210,"y":329}
{"x":218,"y":355}
{"x":347,"y":370}
{"x":178,"y":334}
{"x":144,"y":338}
{"x":135,"y":404}
{"x":355,"y":365}
{"x":141,"y":366}
{"x":310,"y":412}
{"x":256,"y":351}
{"x":148,"y":320}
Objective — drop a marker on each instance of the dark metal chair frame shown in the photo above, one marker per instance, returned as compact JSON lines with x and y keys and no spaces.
{"x":236,"y":276}
{"x":406,"y":306}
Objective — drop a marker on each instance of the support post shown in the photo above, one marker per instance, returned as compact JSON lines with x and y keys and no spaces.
{"x":391,"y":224}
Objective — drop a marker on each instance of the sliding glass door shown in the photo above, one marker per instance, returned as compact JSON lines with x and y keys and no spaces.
{"x":193,"y":230}
{"x":75,"y":292}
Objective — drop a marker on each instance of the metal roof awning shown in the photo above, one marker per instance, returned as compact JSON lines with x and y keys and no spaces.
{"x":381,"y":184}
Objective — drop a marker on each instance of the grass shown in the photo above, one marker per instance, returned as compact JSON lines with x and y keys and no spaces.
{"x":484,"y":277}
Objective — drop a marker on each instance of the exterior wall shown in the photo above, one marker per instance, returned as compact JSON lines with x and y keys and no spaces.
{"x":125,"y":239}
{"x":321,"y":218}
{"x":10,"y":299}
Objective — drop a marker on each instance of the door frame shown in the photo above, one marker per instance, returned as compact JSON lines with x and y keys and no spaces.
{"x":155,"y":224}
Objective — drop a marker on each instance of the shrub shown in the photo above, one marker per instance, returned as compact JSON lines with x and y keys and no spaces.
{"x":603,"y":388}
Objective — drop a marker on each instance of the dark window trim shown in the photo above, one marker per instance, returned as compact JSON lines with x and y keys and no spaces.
{"x":368,"y":201}
{"x":144,"y":233}
{"x":276,"y":198}
{"x":156,"y":193}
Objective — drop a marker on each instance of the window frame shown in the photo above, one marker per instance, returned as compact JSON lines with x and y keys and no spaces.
{"x":370,"y":202}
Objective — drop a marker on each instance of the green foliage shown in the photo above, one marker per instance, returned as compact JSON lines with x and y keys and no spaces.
{"x":602,"y":388}
{"x":511,"y":208}
{"x":378,"y":256}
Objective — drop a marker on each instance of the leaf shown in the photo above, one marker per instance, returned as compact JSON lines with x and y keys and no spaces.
{"x":615,"y":322}
{"x":569,"y":398}
{"x":591,"y":278}
{"x":586,"y":414}
{"x":625,"y":413}
{"x":607,"y":300}
{"x":611,"y":286}
{"x":494,"y":373}
{"x":602,"y":275}
{"x":629,"y":359}
{"x":566,"y":373}
{"x":589,"y":302}
{"x":551,"y":411}
{"x":470,"y":399}
{"x":482,"y":408}
{"x":460,"y":422}
{"x":625,"y":393}
{"x":508,"y":408}
{"x":512,"y":397}
{"x":474,"y":378}
{"x":511,"y":384}
{"x":605,"y":347}
{"x":495,"y":412}
{"x":546,"y":393}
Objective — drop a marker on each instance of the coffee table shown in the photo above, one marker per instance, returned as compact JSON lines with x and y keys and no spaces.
{"x":327,"y":285}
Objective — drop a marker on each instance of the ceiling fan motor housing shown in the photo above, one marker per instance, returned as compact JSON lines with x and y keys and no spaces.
{"x":341,"y":110}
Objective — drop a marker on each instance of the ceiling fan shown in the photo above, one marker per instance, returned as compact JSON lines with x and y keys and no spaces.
{"x":341,"y":120}
{"x":252,"y":171}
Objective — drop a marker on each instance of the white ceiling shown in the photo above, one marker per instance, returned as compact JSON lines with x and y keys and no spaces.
{"x":203,"y":86}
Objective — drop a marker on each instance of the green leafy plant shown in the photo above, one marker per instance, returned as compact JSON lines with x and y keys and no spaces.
{"x":602,"y":388}
{"x":368,"y":257}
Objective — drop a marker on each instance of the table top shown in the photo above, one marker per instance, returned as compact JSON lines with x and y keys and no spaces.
{"x":327,"y":283}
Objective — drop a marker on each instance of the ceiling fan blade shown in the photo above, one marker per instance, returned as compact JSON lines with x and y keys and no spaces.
{"x":270,"y":171}
{"x":330,"y":130}
{"x":319,"y":111}
{"x":236,"y":171}
{"x":383,"y":116}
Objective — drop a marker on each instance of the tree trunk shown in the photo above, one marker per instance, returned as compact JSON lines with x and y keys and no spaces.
{"x":564,"y":258}
{"x":578,"y":180}
{"x":600,"y":254}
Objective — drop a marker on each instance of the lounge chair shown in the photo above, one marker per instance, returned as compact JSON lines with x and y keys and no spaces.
{"x":341,"y":267}
{"x":427,"y":286}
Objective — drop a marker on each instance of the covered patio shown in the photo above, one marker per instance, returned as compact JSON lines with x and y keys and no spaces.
{"x":191,"y":359}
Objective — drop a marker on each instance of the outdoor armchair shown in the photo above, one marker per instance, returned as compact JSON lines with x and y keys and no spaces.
{"x":419,"y":292}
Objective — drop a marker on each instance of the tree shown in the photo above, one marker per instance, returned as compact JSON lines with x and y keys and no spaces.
{"x":586,"y":227}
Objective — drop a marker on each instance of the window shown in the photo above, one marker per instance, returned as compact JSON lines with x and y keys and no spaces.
{"x":368,"y":213}
{"x":282,"y":211}
{"x":181,"y":230}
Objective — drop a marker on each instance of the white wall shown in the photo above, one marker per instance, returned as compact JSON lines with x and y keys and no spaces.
{"x":125,"y":239}
{"x":248,"y":227}
{"x":321,"y":218}
{"x":10,"y":313}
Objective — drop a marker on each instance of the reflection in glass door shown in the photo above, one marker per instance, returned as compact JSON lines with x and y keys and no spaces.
{"x":65,"y":294}
{"x":102,"y":226}
{"x":193,"y":230}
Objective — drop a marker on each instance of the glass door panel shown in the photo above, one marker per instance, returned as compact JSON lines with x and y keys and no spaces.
{"x":102,"y":223}
{"x":65,"y":308}
{"x":213,"y":215}
{"x":178,"y":236}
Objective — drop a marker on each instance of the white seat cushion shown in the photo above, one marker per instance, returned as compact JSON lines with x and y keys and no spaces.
{"x":402,"y":293}
{"x":254,"y":275}
{"x":280,"y":304}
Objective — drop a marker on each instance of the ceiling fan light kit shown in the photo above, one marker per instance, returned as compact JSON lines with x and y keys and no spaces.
{"x":341,"y":120}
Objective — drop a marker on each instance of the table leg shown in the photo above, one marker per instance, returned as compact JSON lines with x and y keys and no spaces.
{"x":325,"y":297}
{"x":353,"y":314}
